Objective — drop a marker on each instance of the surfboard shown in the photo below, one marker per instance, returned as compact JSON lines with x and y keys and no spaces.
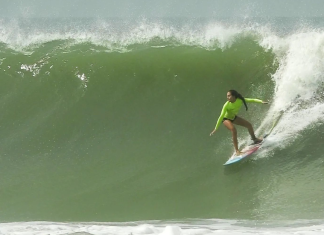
{"x":246,"y":152}
{"x":252,"y":148}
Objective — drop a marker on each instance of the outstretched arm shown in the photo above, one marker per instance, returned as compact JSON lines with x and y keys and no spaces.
{"x":249,"y":100}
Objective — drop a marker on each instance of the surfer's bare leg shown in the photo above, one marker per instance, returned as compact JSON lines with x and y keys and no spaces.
{"x":229,"y":125}
{"x":242,"y":122}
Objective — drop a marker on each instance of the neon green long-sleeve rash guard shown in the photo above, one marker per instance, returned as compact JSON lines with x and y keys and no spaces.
{"x":230,"y":110}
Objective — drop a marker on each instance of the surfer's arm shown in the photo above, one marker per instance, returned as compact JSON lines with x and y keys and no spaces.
{"x":249,"y":100}
{"x":219,"y":121}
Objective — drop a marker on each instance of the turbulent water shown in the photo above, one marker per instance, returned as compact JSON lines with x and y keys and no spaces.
{"x":105,"y":122}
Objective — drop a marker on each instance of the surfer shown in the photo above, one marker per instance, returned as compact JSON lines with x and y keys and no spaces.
{"x":229,"y":116}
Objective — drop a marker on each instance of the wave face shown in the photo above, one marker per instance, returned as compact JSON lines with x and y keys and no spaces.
{"x":109,"y":120}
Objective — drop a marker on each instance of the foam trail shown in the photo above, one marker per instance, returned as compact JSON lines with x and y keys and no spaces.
{"x":298,"y":82}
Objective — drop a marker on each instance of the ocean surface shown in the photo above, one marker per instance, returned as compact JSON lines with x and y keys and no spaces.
{"x":104,"y":126}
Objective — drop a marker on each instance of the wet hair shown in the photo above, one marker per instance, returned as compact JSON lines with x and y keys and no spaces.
{"x":238,"y":95}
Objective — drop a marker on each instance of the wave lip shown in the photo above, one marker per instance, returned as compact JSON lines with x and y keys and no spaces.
{"x":119,"y":35}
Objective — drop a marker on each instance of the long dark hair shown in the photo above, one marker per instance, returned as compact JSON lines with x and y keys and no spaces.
{"x":238,"y":95}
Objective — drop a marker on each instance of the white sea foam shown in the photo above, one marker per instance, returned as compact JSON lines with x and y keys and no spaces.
{"x":102,"y":33}
{"x":83,"y":78}
{"x":298,"y":81}
{"x":201,"y":227}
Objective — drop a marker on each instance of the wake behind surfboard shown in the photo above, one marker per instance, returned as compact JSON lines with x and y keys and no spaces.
{"x":250,"y":149}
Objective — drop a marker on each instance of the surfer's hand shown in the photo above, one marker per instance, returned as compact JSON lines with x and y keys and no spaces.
{"x":212,"y":132}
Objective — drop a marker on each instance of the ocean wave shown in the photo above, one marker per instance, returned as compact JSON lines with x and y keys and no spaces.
{"x":130,"y":108}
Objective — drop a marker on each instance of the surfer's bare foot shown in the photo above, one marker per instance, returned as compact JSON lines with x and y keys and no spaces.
{"x":238,"y":153}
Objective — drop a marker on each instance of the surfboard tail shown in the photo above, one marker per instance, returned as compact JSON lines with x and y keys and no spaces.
{"x":266,"y":135}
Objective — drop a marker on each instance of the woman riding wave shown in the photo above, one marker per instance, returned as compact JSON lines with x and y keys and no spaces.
{"x":229,"y":116}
